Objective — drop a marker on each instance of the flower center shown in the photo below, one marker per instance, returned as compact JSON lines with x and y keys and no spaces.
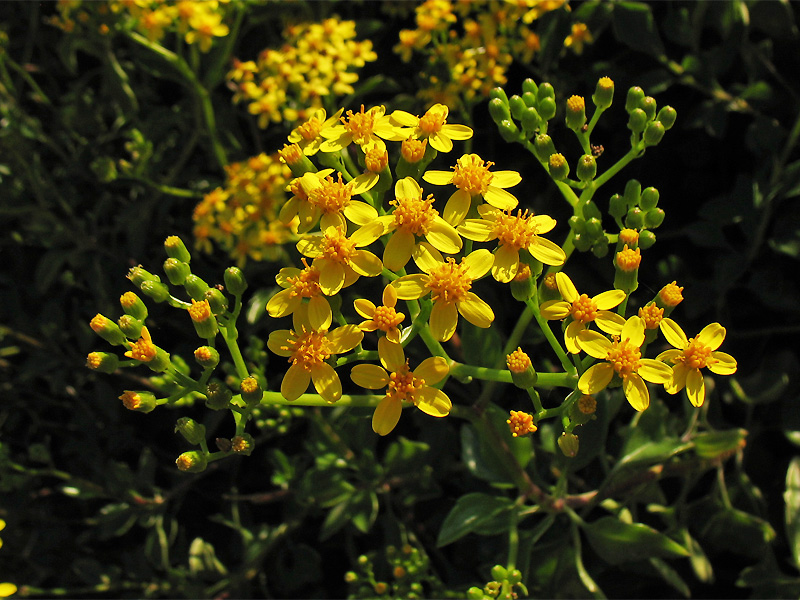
{"x":449,"y":282}
{"x":629,"y":260}
{"x":432,"y":121}
{"x":336,"y":246}
{"x":518,"y":361}
{"x":386,"y":318}
{"x":306,"y":283}
{"x":332,"y":196}
{"x":651,"y":315}
{"x":360,"y":125}
{"x":584,"y":309}
{"x":624,"y":356}
{"x":310,"y":129}
{"x":520,"y":423}
{"x":414,"y":215}
{"x":403,"y":385}
{"x":696,"y":355}
{"x":142,"y":350}
{"x":309,"y":349}
{"x":515,"y":230}
{"x":472,"y":175}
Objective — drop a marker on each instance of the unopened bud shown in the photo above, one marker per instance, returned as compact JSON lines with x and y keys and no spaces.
{"x":192,"y":431}
{"x":544,"y":147}
{"x":520,"y":423}
{"x":634,"y":98}
{"x":667,"y":116}
{"x":508,"y":131}
{"x":617,"y":207}
{"x":648,"y":105}
{"x":107,"y":329}
{"x":499,"y":110}
{"x":235,"y":282}
{"x":216,"y":300}
{"x":517,"y":106}
{"x":251,"y":390}
{"x":195,"y":287}
{"x":627,"y":263}
{"x":138,"y":276}
{"x":243,"y":444}
{"x":653,"y":218}
{"x":546,"y":108}
{"x":143,"y":402}
{"x":294,"y":157}
{"x":192,"y":462}
{"x":104,"y":362}
{"x":131,"y":327}
{"x":576,"y":113}
{"x":530,"y":120}
{"x":587,"y":168}
{"x":155,"y":290}
{"x":637,"y":121}
{"x":603,"y":93}
{"x":523,"y":284}
{"x":559,"y":168}
{"x":529,"y":86}
{"x":207,"y":357}
{"x":653,"y":133}
{"x":523,"y":375}
{"x":205,"y":324}
{"x":177,"y":271}
{"x":499,"y":93}
{"x":218,"y":396}
{"x":649,"y":198}
{"x":569,"y":444}
{"x":176,"y":249}
{"x":132,"y":305}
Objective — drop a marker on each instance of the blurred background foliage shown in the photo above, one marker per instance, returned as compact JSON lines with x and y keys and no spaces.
{"x":106,"y":148}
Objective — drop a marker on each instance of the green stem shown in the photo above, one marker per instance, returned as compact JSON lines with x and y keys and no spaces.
{"x":275,"y":398}
{"x":566,"y":363}
{"x":460,"y":370}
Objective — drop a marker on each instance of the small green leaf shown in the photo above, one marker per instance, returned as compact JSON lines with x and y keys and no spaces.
{"x":470,"y":512}
{"x":713,"y":444}
{"x":700,"y":563}
{"x":671,"y":576}
{"x":752,"y":534}
{"x":654,"y":452}
{"x":619,"y":542}
{"x":791,"y":498}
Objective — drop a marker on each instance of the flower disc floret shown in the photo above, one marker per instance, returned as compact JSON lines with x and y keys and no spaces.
{"x":143,"y":349}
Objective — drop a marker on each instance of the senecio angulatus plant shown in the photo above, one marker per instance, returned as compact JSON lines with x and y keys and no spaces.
{"x":363,"y":204}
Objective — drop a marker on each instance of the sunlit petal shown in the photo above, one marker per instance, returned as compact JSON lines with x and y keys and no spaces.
{"x":331,"y":277}
{"x":386,"y":415}
{"x":440,"y":142}
{"x":457,"y":207}
{"x":633,"y":330}
{"x":711,"y":336}
{"x":444,"y":237}
{"x":478,"y":263}
{"x":427,"y":257}
{"x":608,"y":300}
{"x":636,"y":392}
{"x":438,"y":177}
{"x":366,"y":263}
{"x":295,"y":382}
{"x":571,"y":336}
{"x":360,"y":213}
{"x":555,"y":310}
{"x":411,"y":287}
{"x":478,"y":230}
{"x":673,"y":333}
{"x":433,"y":369}
{"x":655,"y":371}
{"x":725,"y":364}
{"x":500,"y":198}
{"x":398,"y":250}
{"x":594,"y":344}
{"x":476,"y":311}
{"x":364,"y":307}
{"x":344,"y":338}
{"x":433,"y":402}
{"x":566,"y":288}
{"x":443,"y":320}
{"x":547,"y":252}
{"x":326,"y":382}
{"x":695,"y":387}
{"x":369,"y":376}
{"x":610,"y":322}
{"x":505,"y":179}
{"x":391,"y":355}
{"x":319,"y":313}
{"x":596,"y":378}
{"x":279,"y":340}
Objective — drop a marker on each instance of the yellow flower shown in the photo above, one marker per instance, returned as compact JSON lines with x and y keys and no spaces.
{"x":363,"y":128}
{"x":336,"y":256}
{"x":403,"y":385}
{"x":9,"y":589}
{"x":622,"y":357}
{"x":143,"y":350}
{"x":433,"y":125}
{"x":472,"y":177}
{"x":513,"y":233}
{"x":693,"y":354}
{"x":307,"y":135}
{"x":580,"y":35}
{"x":583,"y":310}
{"x":520,"y":423}
{"x":206,"y":25}
{"x":308,"y":350}
{"x":384,"y":318}
{"x":449,"y":285}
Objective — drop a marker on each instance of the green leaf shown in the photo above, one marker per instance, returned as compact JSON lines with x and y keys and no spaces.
{"x":654,"y":452}
{"x":470,"y":512}
{"x":404,"y":456}
{"x":618,"y":542}
{"x":671,"y":576}
{"x":482,"y":347}
{"x":635,"y":27}
{"x":700,"y":563}
{"x":752,"y":534}
{"x":791,"y":498}
{"x":713,"y":444}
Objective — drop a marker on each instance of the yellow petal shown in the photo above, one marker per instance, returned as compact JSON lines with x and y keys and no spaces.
{"x":369,"y":376}
{"x":566,"y":288}
{"x":725,"y":365}
{"x":7,"y":589}
{"x":667,"y":355}
{"x":506,"y":263}
{"x":344,"y":338}
{"x":594,"y":344}
{"x":295,"y":382}
{"x":411,"y":287}
{"x":331,"y":276}
{"x":366,"y":234}
{"x":407,"y":187}
{"x":389,"y":296}
{"x":391,"y":355}
{"x":547,"y":252}
{"x":478,"y":230}
{"x":359,"y":212}
{"x":542,"y":223}
{"x":476,"y":311}
{"x":310,"y":246}
{"x":438,"y":177}
{"x":505,"y":179}
{"x":427,"y":257}
{"x":386,"y":415}
{"x":712,"y":336}
{"x":678,"y":381}
{"x":319,"y":313}
{"x":364,"y":307}
{"x":326,"y":382}
{"x":673,"y":333}
{"x":636,"y":392}
{"x":444,"y":237}
{"x":571,"y":336}
{"x":283,"y":303}
{"x":596,"y":378}
{"x":398,"y":250}
{"x":433,"y":369}
{"x":366,"y":263}
{"x":443,"y":320}
{"x":500,"y":198}
{"x":655,"y":371}
{"x":610,"y":322}
{"x":633,"y":330}
{"x":337,"y":220}
{"x":440,"y":142}
{"x":457,"y":207}
{"x":555,"y":310}
{"x":457,"y":132}
{"x":406,"y":119}
{"x":282,"y":278}
{"x":363,"y":183}
{"x":478,"y":263}
{"x":695,"y":387}
{"x":608,"y":300}
{"x":433,"y":402}
{"x":278,"y":340}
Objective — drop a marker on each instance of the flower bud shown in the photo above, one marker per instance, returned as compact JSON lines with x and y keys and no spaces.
{"x":529,"y":86}
{"x":600,"y":247}
{"x":637,"y":120}
{"x":545,"y":90}
{"x":195,"y":287}
{"x":376,"y":159}
{"x":131,"y":327}
{"x":155,"y":290}
{"x":546,"y":108}
{"x":499,"y":93}
{"x":177,"y":249}
{"x":138,"y":276}
{"x":517,"y":106}
{"x":667,"y":116}
{"x":648,"y":105}
{"x":412,"y":150}
{"x":633,"y":192}
{"x":251,"y":390}
{"x":590,"y":210}
{"x":107,"y":329}
{"x":523,"y":284}
{"x":634,"y":98}
{"x":218,"y":396}
{"x":653,"y":218}
{"x":132,"y":305}
{"x":161,"y":362}
{"x":669,"y":297}
{"x":576,"y":113}
{"x":520,"y":423}
{"x":216,"y":300}
{"x":603,"y":93}
{"x":559,"y":168}
{"x":649,"y":198}
{"x":653,"y":133}
{"x":629,"y":237}
{"x":529,"y":99}
{"x":646,"y":239}
{"x":298,"y":163}
{"x":617,"y":207}
{"x":530,"y":121}
{"x":523,"y":375}
{"x":235,"y":282}
{"x":587,"y":168}
{"x":205,"y":324}
{"x":192,"y":462}
{"x":544,"y":147}
{"x":243,"y":444}
{"x":582,"y":242}
{"x":569,"y":444}
{"x":582,"y":410}
{"x":177,"y":271}
{"x":508,"y":131}
{"x":626,"y":263}
{"x":104,"y":362}
{"x":499,"y":110}
{"x":594,"y":228}
{"x":192,"y":431}
{"x":143,"y":402}
{"x":207,"y":357}
{"x":499,"y":573}
{"x":635,"y":218}
{"x":577,"y":224}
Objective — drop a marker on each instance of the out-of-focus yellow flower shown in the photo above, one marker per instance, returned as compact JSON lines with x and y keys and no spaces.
{"x":9,"y":589}
{"x":513,"y":233}
{"x":583,"y":310}
{"x":363,"y":128}
{"x":307,"y":135}
{"x":381,"y":318}
{"x":205,"y":25}
{"x":691,"y":355}
{"x":433,"y":125}
{"x":403,"y":385}
{"x":580,"y":35}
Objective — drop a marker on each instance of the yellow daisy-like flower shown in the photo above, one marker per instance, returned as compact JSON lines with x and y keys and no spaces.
{"x":143,"y":349}
{"x":384,"y":318}
{"x":403,"y":385}
{"x":513,"y":233}
{"x":434,"y":126}
{"x":363,"y":128}
{"x":623,"y":357}
{"x":411,"y":218}
{"x":9,"y":589}
{"x":308,"y":350}
{"x":336,"y":256}
{"x":449,"y":285}
{"x":472,"y":177}
{"x":307,"y":135}
{"x":583,"y":310}
{"x":691,"y":355}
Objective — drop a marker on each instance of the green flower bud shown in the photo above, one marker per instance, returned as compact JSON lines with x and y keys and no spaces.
{"x":192,"y":462}
{"x":251,"y":390}
{"x":298,"y":163}
{"x":529,"y":86}
{"x":108,"y":330}
{"x":195,"y":287}
{"x":499,"y":573}
{"x":216,"y":300}
{"x":131,"y":327}
{"x":648,"y":105}
{"x":514,"y":577}
{"x":529,"y":99}
{"x":475,"y":593}
{"x":591,"y":211}
{"x":235,"y":282}
{"x":626,"y":265}
{"x":157,"y":291}
{"x":583,"y":242}
{"x":600,"y":248}
{"x":499,"y":111}
{"x":637,"y":120}
{"x":530,"y":121}
{"x":646,"y":239}
{"x":575,"y":117}
{"x":603,"y":93}
{"x":517,"y":106}
{"x":577,"y":224}
{"x":192,"y":431}
{"x":508,"y":131}
{"x":617,"y":207}
{"x":207,"y":357}
{"x":649,"y":198}
{"x":143,"y":402}
{"x":177,"y":271}
{"x":132,"y":305}
{"x":653,"y":218}
{"x":594,"y":228}
{"x":559,"y":168}
{"x":523,"y":375}
{"x":635,"y":218}
{"x":667,"y":116}
{"x":523,"y":285}
{"x":634,"y":98}
{"x":161,"y":361}
{"x":587,"y":168}
{"x":138,"y":276}
{"x":653,"y":133}
{"x":218,"y":396}
{"x":547,"y":108}
{"x":243,"y":444}
{"x":633,"y":192}
{"x":544,"y":147}
{"x":205,"y":323}
{"x":546,"y":90}
{"x":177,"y":249}
{"x":104,"y":362}
{"x":499,"y":93}
{"x":569,"y":444}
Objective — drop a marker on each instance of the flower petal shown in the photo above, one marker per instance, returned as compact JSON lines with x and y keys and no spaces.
{"x":725,"y":365}
{"x":457,"y":207}
{"x":398,"y":250}
{"x":444,"y":237}
{"x":411,"y":287}
{"x":279,"y":340}
{"x":433,"y":369}
{"x":427,"y":257}
{"x":344,"y":338}
{"x":283,"y":303}
{"x":678,"y":381}
{"x":366,"y":263}
{"x":547,"y":252}
{"x":369,"y":376}
{"x":506,"y":263}
{"x":438,"y":177}
{"x":389,"y":296}
{"x":478,"y":230}
{"x":391,"y":355}
{"x":433,"y":402}
{"x":295,"y":382}
{"x":555,"y":310}
{"x":440,"y":142}
{"x":712,"y":336}
{"x":443,"y":320}
{"x":326,"y":382}
{"x":478,"y":263}
{"x":695,"y":387}
{"x":359,"y":212}
{"x":366,"y":234}
{"x":655,"y":371}
{"x":364,"y":307}
{"x":542,"y":223}
{"x":566,"y":288}
{"x":596,"y":378}
{"x":331,"y":276}
{"x":633,"y":330}
{"x":608,"y":300}
{"x":673,"y":333}
{"x":457,"y":132}
{"x":476,"y":311}
{"x":594,"y":344}
{"x":386,"y":415}
{"x":407,"y":187}
{"x":319,"y":313}
{"x":571,"y":336}
{"x":636,"y":392}
{"x":609,"y":322}
{"x":500,"y":198}
{"x":505,"y":179}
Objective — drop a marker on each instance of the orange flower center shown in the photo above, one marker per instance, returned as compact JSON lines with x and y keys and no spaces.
{"x":414,"y":215}
{"x":200,"y":311}
{"x":671,"y":294}
{"x":310,"y":129}
{"x":387,"y":318}
{"x":412,"y":150}
{"x":131,"y":400}
{"x":520,"y":423}
{"x":291,"y":154}
{"x":403,"y":385}
{"x":584,"y":309}
{"x":696,"y":355}
{"x":651,"y":315}
{"x":629,"y":260}
{"x":359,"y":125}
{"x":515,"y":230}
{"x":432,"y":121}
{"x":306,"y":283}
{"x":518,"y":361}
{"x":336,"y":247}
{"x":309,"y":349}
{"x":625,"y":357}
{"x":332,"y":196}
{"x":449,"y":282}
{"x":472,"y":175}
{"x":142,"y":350}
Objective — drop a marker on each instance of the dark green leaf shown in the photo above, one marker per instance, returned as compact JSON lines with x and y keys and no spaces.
{"x":470,"y":512}
{"x":752,"y":534}
{"x":618,"y":542}
{"x":635,"y":27}
{"x":713,"y":444}
{"x":671,"y":576}
{"x":654,"y":452}
{"x":791,"y":498}
{"x":482,"y":347}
